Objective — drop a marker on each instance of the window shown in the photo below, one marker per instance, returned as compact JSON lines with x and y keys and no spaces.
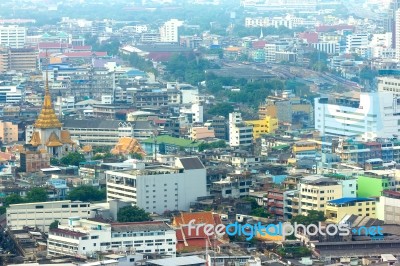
{"x":94,"y":237}
{"x":39,"y":206}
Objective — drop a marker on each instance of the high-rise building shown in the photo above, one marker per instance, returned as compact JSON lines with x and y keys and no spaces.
{"x":169,"y":31}
{"x":240,"y":134}
{"x":397,"y":34}
{"x":369,"y":115}
{"x":391,"y":19}
{"x":12,"y":36}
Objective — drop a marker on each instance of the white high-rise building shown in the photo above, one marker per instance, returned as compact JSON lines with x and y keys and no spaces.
{"x":369,"y":115}
{"x":158,"y":188}
{"x":356,"y":41}
{"x":389,"y":83}
{"x":240,"y":134}
{"x":169,"y":32}
{"x":12,"y":36}
{"x":397,"y":34}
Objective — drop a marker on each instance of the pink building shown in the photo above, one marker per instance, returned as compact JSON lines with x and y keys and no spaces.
{"x":8,"y":132}
{"x":197,"y":133}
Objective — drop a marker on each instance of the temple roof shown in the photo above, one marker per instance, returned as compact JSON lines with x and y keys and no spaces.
{"x":66,"y":137}
{"x":53,"y":141}
{"x":127,"y":145}
{"x":35,"y":140}
{"x":47,"y":117}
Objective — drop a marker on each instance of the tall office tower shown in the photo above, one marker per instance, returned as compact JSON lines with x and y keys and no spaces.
{"x":12,"y":36}
{"x":397,"y":34}
{"x":391,"y":19}
{"x":169,"y":31}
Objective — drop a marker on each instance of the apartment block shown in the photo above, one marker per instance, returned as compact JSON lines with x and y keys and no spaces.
{"x":34,"y":161}
{"x":337,"y":209}
{"x":169,"y":31}
{"x":240,"y":134}
{"x":83,"y":238}
{"x":22,"y":59}
{"x":316,"y":191}
{"x":12,"y":36}
{"x":42,"y":214}
{"x":8,"y":132}
{"x":372,"y":183}
{"x":157,"y":188}
{"x":267,"y":125}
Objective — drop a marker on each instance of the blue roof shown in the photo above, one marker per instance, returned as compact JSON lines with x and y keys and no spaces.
{"x":348,"y":200}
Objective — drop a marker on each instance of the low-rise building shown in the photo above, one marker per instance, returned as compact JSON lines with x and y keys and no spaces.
{"x":337,"y":209}
{"x":83,"y":238}
{"x":42,"y":214}
{"x":8,"y":132}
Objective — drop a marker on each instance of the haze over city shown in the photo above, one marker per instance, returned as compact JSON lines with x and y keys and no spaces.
{"x":199,"y":133}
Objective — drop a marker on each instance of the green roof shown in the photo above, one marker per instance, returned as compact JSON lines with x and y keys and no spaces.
{"x":280,"y":147}
{"x":165,"y":139}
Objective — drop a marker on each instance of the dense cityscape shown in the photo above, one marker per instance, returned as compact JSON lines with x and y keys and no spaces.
{"x":199,"y":133}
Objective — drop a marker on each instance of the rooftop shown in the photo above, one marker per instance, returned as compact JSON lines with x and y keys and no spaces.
{"x":348,"y":200}
{"x":164,"y":139}
{"x":139,"y":227}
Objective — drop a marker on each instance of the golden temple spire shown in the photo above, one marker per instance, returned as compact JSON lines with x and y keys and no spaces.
{"x":47,"y":117}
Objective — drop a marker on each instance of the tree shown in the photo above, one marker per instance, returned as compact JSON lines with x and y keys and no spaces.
{"x":86,"y":193}
{"x":136,"y":155}
{"x":54,"y":161}
{"x":222,"y":109}
{"x":36,"y":194}
{"x":73,"y":158}
{"x":54,"y":224}
{"x":132,"y":214}
{"x":13,"y":199}
{"x":313,"y":217}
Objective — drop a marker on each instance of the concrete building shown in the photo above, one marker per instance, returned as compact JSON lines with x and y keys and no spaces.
{"x":8,"y":132}
{"x":98,"y":132}
{"x":157,"y":188}
{"x":240,"y":134}
{"x":169,"y":31}
{"x":337,"y":209}
{"x":10,"y":94}
{"x":397,"y":34}
{"x":12,"y":36}
{"x":22,"y":59}
{"x":197,"y":133}
{"x":355,"y":41}
{"x":389,"y":83}
{"x":219,"y":124}
{"x":372,"y":183}
{"x":389,"y":207}
{"x":369,"y":115}
{"x":316,"y":191}
{"x":267,"y":125}
{"x":42,"y":214}
{"x":83,"y":238}
{"x":327,"y":47}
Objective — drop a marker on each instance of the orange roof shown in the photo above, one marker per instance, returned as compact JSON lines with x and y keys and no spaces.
{"x":87,"y":148}
{"x":199,"y":217}
{"x":127,"y":145}
{"x":35,"y":140}
{"x":66,"y":137}
{"x":53,"y":141}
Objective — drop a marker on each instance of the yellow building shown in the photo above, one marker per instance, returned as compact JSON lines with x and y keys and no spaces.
{"x":263,"y":126}
{"x":337,"y":209}
{"x":305,"y":147}
{"x":315,"y":192}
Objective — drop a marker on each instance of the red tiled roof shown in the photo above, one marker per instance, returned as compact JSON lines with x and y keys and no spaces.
{"x":200,"y":217}
{"x":259,"y":44}
{"x":310,"y":37}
